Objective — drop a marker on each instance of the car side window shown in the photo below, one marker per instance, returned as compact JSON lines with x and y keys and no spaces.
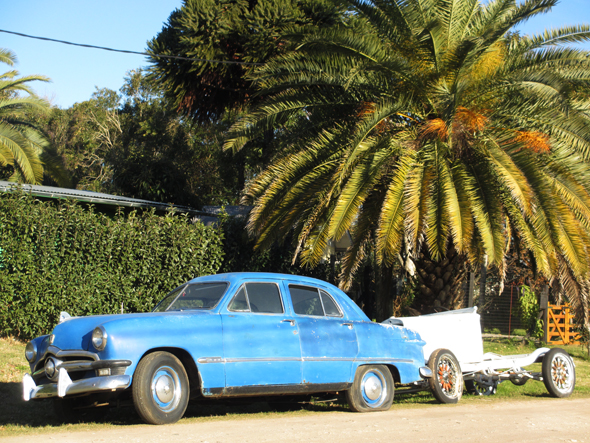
{"x":330,"y":306}
{"x":239,"y":303}
{"x":306,"y":300}
{"x":258,"y":297}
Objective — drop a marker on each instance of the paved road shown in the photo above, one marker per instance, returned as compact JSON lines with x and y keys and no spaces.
{"x":538,"y":421}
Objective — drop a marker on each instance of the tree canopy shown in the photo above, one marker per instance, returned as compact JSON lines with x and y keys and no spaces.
{"x":133,"y":143}
{"x":431,"y":131}
{"x":226,"y":39}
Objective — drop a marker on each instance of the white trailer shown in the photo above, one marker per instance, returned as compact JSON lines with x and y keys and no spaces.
{"x":454,"y":353}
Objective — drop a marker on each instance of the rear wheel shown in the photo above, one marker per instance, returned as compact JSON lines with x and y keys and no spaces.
{"x":559,"y":373}
{"x":160,"y":389}
{"x":372,"y":389}
{"x":446,"y":382}
{"x":477,"y":388}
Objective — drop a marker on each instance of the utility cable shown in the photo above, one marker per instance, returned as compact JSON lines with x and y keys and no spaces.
{"x":124,"y":51}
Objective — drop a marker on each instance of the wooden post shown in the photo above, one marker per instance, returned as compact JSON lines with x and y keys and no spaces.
{"x":470,"y":289}
{"x":543,"y":306}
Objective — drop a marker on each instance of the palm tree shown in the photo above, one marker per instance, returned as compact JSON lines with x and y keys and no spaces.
{"x":435,"y":135}
{"x":22,"y":146}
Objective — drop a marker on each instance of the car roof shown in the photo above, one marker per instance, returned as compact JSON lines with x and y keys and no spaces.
{"x":236,"y":277}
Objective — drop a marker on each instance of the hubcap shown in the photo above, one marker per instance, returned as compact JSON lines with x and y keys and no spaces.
{"x":165,"y":388}
{"x":373,"y":389}
{"x":561,"y":373}
{"x":447,"y":376}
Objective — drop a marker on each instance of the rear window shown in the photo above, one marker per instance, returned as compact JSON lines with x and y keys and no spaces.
{"x":308,"y":300}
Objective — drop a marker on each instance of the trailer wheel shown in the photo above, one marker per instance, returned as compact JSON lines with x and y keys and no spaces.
{"x":372,"y":389}
{"x":447,"y":380}
{"x":476,"y":388}
{"x":559,"y":373}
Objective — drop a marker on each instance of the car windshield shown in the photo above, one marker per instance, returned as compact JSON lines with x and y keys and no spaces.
{"x":192,"y":296}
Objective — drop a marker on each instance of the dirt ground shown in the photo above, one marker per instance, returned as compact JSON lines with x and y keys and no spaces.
{"x":546,"y":420}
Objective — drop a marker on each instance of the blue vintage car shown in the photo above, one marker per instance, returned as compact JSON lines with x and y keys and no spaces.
{"x":227,"y":335}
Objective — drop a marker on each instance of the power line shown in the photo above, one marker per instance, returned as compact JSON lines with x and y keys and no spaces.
{"x":124,"y":51}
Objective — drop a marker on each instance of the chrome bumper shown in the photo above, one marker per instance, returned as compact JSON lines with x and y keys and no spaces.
{"x":425,"y":372}
{"x":65,"y":385}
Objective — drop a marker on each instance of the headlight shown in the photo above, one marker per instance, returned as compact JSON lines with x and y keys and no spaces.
{"x":99,"y":338}
{"x":31,"y":352}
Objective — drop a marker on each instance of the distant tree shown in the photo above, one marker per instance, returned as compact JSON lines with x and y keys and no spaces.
{"x":166,"y":157}
{"x":218,"y":33}
{"x":135,"y":144}
{"x":213,"y":31}
{"x":84,"y":136}
{"x":25,"y":154}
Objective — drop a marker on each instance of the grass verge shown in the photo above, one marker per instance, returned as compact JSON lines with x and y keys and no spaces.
{"x":19,"y":417}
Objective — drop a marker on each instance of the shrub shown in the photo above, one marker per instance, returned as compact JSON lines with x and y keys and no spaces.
{"x":61,"y":256}
{"x":520,"y":332}
{"x":528,"y":308}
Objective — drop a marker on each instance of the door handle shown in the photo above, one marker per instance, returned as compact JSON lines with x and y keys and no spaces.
{"x":347,"y":324}
{"x":291,"y":322}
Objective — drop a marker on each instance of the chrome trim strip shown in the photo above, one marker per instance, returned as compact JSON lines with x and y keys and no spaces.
{"x":261,"y":359}
{"x":67,"y":353}
{"x":205,"y":360}
{"x":385,"y":359}
{"x":82,"y":365}
{"x":80,"y":353}
{"x":211,"y":360}
{"x":87,"y":385}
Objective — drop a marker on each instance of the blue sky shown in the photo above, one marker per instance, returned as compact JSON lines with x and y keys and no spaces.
{"x":127,"y":24}
{"x":74,"y":71}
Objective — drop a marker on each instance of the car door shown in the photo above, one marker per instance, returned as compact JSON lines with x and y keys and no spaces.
{"x":328,"y":341}
{"x":260,"y":342}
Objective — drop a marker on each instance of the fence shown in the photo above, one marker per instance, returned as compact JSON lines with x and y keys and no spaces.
{"x":499,"y":312}
{"x":560,"y":328}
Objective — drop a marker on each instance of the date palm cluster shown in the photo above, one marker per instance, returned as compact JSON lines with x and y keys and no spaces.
{"x":427,"y":128}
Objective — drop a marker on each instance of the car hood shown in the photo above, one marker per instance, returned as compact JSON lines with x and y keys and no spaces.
{"x":76,"y":332}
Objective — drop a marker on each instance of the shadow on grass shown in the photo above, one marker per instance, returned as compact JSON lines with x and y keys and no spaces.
{"x":15,"y":412}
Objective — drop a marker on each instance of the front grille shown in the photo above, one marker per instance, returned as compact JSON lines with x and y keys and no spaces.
{"x":76,"y":363}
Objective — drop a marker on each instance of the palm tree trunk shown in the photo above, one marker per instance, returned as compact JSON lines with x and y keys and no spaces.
{"x":440,"y":282}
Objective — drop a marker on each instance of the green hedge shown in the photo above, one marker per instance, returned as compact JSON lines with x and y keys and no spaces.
{"x":62,"y":256}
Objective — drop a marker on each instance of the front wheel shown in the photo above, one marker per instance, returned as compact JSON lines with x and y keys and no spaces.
{"x":372,"y":389}
{"x":160,"y":389}
{"x":446,"y":382}
{"x":559,"y":373}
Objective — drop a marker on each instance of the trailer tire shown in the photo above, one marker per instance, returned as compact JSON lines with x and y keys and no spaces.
{"x":446,"y":382}
{"x":476,"y":388}
{"x":559,"y":373}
